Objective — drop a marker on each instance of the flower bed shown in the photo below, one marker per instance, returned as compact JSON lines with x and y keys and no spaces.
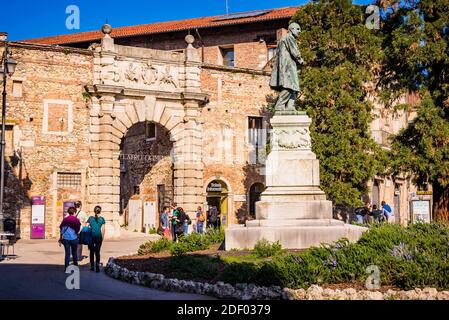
{"x":245,"y":291}
{"x":407,"y":258}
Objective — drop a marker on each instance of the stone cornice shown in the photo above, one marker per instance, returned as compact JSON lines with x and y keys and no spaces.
{"x":99,"y":89}
{"x":234,"y":69}
{"x":56,"y":48}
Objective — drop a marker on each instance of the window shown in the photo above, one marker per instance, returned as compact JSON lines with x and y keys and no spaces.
{"x":57,"y":117}
{"x":255,"y":130}
{"x":9,"y":139}
{"x":256,"y":140}
{"x":271,"y":52}
{"x":16,"y":88}
{"x":228,"y":56}
{"x":69,"y":180}
{"x":150,"y":131}
{"x":136,"y":190}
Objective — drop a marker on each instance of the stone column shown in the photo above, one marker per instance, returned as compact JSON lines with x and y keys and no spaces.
{"x":188,"y":165}
{"x":105,"y":166}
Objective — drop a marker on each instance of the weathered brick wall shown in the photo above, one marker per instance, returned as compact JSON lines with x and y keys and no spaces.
{"x":58,"y":77}
{"x":234,"y":96}
{"x":249,"y":41}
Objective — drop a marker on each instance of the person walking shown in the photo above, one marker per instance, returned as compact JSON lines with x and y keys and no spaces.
{"x":387,"y":211}
{"x":69,"y":229}
{"x":200,"y":218}
{"x":213,"y":216}
{"x":165,"y":222}
{"x":97,"y":224}
{"x":82,"y":217}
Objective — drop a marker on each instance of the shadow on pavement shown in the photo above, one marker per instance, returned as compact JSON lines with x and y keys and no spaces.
{"x":48,"y":282}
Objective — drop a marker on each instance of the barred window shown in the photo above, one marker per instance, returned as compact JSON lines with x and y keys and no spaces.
{"x":69,"y":180}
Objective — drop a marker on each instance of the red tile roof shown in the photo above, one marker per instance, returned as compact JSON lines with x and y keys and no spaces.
{"x":162,"y":27}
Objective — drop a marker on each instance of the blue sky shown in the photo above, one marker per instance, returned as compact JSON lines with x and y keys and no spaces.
{"x":31,"y":18}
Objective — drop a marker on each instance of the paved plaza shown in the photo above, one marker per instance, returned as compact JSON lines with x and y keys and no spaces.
{"x":37,"y":273}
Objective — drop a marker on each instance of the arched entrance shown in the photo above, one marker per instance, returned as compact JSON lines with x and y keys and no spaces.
{"x":254,"y":195}
{"x":217,"y":195}
{"x":146,"y":175}
{"x":134,"y":85}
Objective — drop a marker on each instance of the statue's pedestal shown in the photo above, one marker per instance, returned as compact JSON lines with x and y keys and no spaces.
{"x":293,"y":209}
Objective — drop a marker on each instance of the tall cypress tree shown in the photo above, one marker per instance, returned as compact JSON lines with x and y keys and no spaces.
{"x":417,"y":59}
{"x":342,"y":58}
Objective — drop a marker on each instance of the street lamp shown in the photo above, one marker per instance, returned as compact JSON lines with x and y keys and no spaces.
{"x":7,"y":67}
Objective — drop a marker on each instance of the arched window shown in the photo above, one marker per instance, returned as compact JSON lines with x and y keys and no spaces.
{"x":254,"y":196}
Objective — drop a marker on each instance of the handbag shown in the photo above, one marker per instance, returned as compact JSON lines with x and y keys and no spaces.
{"x":167,"y":233}
{"x":85,"y":236}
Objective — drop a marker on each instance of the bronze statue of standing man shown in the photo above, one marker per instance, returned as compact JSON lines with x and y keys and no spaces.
{"x":284,"y":77}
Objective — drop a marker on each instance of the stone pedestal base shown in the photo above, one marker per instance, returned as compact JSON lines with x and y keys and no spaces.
{"x":293,"y":209}
{"x":295,"y":234}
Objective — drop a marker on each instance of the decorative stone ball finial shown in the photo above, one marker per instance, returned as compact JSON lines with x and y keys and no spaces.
{"x":106,"y":29}
{"x":189,"y":39}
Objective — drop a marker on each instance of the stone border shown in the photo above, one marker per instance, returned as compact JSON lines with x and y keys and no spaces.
{"x":244,"y":291}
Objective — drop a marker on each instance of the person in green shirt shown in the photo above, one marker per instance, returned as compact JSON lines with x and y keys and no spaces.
{"x":174,"y":220}
{"x":97,"y":224}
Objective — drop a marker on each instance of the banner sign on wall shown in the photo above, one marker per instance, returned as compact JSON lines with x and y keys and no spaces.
{"x":38,"y":217}
{"x":66,"y":206}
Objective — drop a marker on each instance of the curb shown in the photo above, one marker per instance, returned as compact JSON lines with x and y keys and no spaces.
{"x":245,"y":291}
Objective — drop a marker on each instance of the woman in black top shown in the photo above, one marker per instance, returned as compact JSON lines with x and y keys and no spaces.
{"x":182,"y":216}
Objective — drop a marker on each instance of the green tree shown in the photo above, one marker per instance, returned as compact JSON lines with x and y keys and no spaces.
{"x":417,"y":59}
{"x":342,"y":59}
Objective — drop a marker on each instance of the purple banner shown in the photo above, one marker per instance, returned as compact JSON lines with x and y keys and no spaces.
{"x":38,"y":217}
{"x":38,"y":231}
{"x":38,"y":200}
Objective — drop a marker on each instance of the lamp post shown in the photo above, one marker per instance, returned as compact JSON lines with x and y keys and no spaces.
{"x":8,"y":67}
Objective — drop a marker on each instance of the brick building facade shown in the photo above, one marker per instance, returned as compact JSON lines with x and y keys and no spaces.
{"x":92,"y":124}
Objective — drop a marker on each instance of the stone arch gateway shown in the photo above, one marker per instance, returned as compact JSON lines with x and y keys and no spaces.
{"x":133,"y":85}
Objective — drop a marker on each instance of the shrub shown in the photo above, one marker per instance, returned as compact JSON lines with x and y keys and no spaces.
{"x":264,"y":248}
{"x":179,"y":249}
{"x":214,"y":236}
{"x":155,"y":246}
{"x":145,"y":248}
{"x":242,"y":272}
{"x":415,"y":256}
{"x":161,"y":245}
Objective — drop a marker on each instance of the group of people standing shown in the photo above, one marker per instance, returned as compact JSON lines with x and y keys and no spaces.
{"x":373,"y":213}
{"x":175,"y":221}
{"x":70,"y":230}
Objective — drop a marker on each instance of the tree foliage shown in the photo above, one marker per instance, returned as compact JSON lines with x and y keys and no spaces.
{"x":342,"y":58}
{"x":417,"y":59}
